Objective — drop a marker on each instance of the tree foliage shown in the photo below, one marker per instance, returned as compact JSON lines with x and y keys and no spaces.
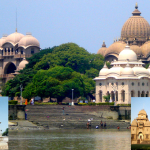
{"x":55,"y":71}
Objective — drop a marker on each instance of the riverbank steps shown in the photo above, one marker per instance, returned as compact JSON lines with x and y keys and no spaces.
{"x":73,"y":117}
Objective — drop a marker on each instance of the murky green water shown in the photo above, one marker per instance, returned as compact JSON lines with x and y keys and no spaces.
{"x":70,"y":140}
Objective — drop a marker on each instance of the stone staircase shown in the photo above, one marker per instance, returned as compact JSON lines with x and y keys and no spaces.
{"x":51,"y":116}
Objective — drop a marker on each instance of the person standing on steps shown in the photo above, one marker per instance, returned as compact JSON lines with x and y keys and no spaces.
{"x":101,"y":124}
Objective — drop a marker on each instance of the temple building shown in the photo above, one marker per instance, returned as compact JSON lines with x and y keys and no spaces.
{"x":140,"y":129}
{"x":127,"y":78}
{"x":14,"y":49}
{"x":135,"y":31}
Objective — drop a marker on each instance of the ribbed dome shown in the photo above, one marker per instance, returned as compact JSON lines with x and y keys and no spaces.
{"x":146,"y":49}
{"x":2,"y":41}
{"x":134,"y":123}
{"x":22,"y":64}
{"x":102,"y":50}
{"x":28,"y":40}
{"x":116,"y":48}
{"x":142,"y":112}
{"x":127,"y":54}
{"x":14,"y":38}
{"x":137,"y":49}
{"x":127,"y":71}
{"x":115,"y":70}
{"x":140,"y":70}
{"x":135,"y":27}
{"x":104,"y":71}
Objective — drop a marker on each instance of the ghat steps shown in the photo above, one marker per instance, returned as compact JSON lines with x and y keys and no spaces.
{"x":51,"y":116}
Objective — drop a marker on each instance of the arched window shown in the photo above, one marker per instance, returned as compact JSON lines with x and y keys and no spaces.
{"x":32,"y":51}
{"x":123,"y":95}
{"x":100,"y":96}
{"x":21,"y":51}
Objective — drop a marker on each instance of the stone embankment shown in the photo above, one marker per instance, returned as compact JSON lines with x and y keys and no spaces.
{"x":75,"y":117}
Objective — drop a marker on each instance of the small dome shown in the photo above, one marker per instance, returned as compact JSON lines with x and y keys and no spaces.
{"x":115,"y":48}
{"x":102,"y":50}
{"x":140,"y":70}
{"x":22,"y":64}
{"x":127,"y":71}
{"x":14,"y":38}
{"x":135,"y":27}
{"x":104,"y":71}
{"x":134,"y":123}
{"x":146,"y":49}
{"x":2,"y":41}
{"x":142,"y":112}
{"x":127,"y":54}
{"x":28,"y":40}
{"x":116,"y":70}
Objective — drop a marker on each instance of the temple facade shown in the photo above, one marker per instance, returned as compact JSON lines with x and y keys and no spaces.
{"x":140,"y":129}
{"x":127,"y":78}
{"x":14,"y":49}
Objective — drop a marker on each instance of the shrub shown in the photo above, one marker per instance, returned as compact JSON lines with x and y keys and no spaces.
{"x":13,"y":102}
{"x":107,"y":103}
{"x":124,"y":105}
{"x":90,"y":103}
{"x":82,"y":104}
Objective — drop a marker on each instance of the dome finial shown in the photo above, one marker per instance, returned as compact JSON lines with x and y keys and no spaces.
{"x":16,"y":29}
{"x":103,"y":45}
{"x":136,"y":5}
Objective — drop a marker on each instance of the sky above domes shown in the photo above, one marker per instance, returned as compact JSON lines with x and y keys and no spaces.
{"x":85,"y":22}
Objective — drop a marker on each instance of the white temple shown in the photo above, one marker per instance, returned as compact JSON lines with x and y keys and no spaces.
{"x":127,"y":78}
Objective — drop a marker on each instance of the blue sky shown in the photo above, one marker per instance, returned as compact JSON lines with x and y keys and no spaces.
{"x":85,"y":22}
{"x":139,"y":103}
{"x":3,"y":113}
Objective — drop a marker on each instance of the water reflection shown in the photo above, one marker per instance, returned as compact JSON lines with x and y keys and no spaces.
{"x":70,"y":139}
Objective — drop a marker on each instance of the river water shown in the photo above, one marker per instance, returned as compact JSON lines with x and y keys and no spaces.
{"x":67,"y":139}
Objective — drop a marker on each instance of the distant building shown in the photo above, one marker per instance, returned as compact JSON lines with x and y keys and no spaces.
{"x":140,"y":129}
{"x":127,"y":78}
{"x":135,"y":31}
{"x":14,"y":49}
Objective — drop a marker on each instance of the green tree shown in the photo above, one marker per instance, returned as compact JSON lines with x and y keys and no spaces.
{"x":5,"y":133}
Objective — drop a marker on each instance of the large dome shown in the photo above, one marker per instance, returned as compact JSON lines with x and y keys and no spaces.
{"x":136,"y":27}
{"x":28,"y":40}
{"x":14,"y":38}
{"x":127,"y":54}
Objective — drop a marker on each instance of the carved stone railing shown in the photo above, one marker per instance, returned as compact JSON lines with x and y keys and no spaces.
{"x":22,"y":55}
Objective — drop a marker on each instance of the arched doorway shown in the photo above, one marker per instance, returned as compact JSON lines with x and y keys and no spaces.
{"x":143,"y":94}
{"x":123,"y":95}
{"x":138,"y":93}
{"x":112,"y":96}
{"x":140,"y":136}
{"x":147,"y":94}
{"x":9,"y":68}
